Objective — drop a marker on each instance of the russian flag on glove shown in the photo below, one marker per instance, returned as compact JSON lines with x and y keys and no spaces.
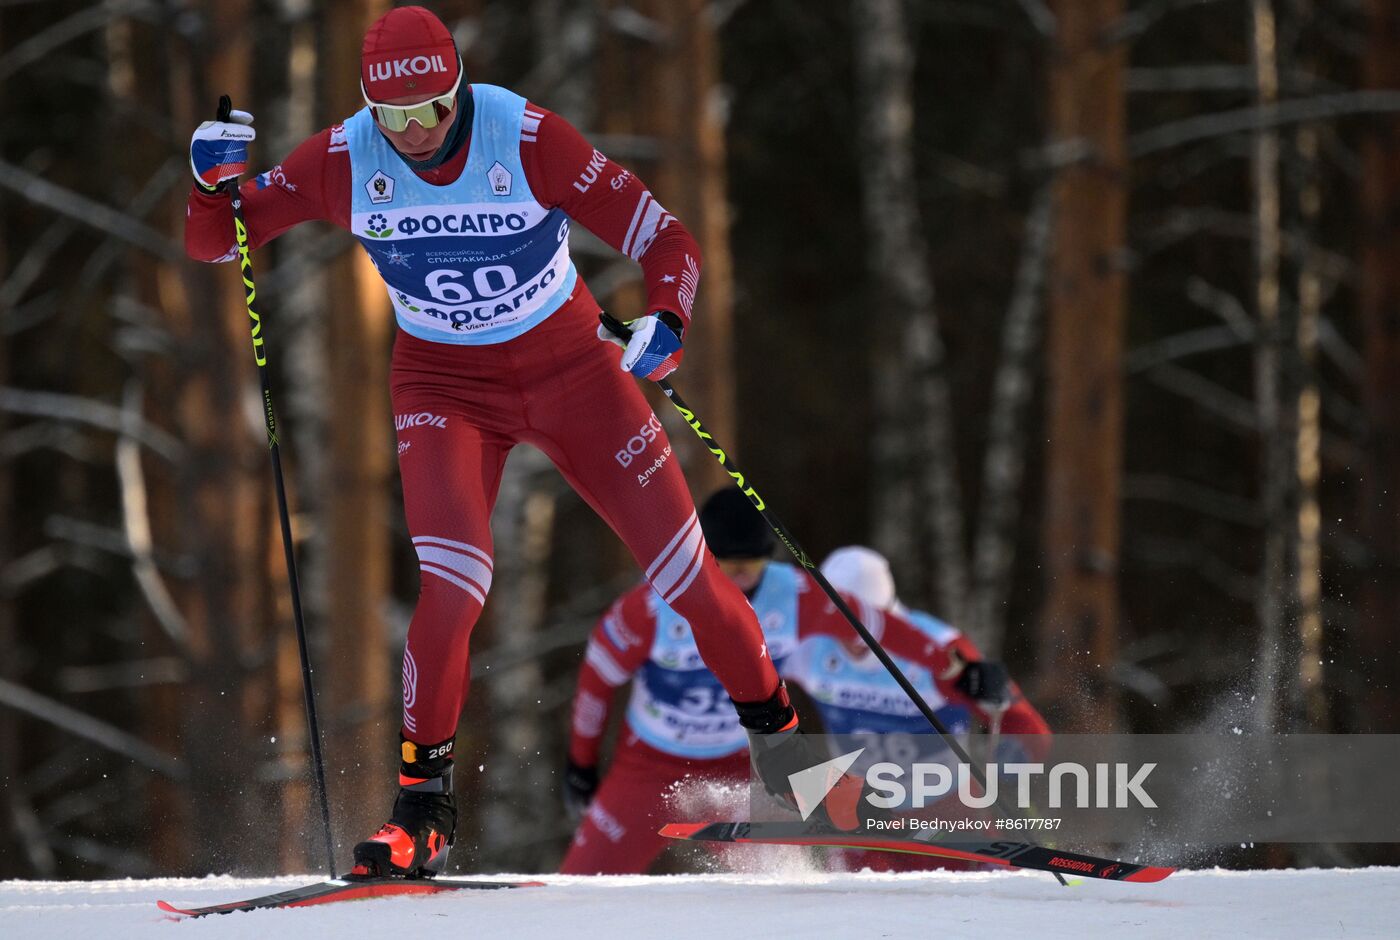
{"x":219,"y":149}
{"x":654,"y":350}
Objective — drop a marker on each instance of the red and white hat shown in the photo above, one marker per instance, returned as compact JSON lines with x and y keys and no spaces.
{"x":408,"y":51}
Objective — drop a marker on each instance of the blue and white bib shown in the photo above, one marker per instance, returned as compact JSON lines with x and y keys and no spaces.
{"x":677,"y":704}
{"x":473,"y":262}
{"x":861,"y":702}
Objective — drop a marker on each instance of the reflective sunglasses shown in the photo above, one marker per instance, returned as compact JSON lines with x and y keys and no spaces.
{"x":428,"y":114}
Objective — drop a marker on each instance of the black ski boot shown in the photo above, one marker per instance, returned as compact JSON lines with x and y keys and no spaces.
{"x":415,"y":841}
{"x":779,"y":749}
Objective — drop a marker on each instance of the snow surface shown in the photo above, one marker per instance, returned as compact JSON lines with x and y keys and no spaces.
{"x":1310,"y":903}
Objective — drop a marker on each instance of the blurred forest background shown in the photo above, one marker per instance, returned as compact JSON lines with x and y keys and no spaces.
{"x":1086,"y":312}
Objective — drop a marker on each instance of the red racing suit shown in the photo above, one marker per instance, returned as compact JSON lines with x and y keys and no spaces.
{"x":459,"y":409}
{"x":650,"y":783}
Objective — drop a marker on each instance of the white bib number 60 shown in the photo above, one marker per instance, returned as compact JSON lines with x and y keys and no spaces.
{"x":489,"y":281}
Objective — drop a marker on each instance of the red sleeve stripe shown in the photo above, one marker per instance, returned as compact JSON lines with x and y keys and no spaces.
{"x":647,"y":222}
{"x":530,"y":125}
{"x":603,"y":663}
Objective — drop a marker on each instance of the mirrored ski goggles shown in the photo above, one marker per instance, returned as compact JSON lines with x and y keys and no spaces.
{"x":430,"y":113}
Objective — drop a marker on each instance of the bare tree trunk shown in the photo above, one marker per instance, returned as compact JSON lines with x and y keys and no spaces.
{"x":685,"y":112}
{"x":1079,"y":623}
{"x":169,"y":806}
{"x":214,"y":507}
{"x":1308,"y":441}
{"x":694,"y":152}
{"x":622,"y":81}
{"x":362,"y":724}
{"x":300,"y":318}
{"x":1378,"y":644}
{"x":914,"y":456}
{"x":1004,"y":462}
{"x":1268,"y":394}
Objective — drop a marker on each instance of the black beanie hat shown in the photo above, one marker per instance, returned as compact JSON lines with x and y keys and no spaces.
{"x":733,"y":528}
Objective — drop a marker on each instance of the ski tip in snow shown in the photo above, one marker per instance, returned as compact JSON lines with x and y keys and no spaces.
{"x":347,"y":888}
{"x":1150,"y":873}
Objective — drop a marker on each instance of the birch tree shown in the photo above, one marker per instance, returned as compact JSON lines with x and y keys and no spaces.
{"x":1268,"y":369}
{"x":914,"y":486}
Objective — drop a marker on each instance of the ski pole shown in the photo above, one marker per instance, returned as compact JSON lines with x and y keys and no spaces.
{"x":250,"y":291}
{"x":616,"y":327}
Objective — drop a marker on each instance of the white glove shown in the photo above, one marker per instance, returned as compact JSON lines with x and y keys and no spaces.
{"x":219,"y":150}
{"x":654,"y":349}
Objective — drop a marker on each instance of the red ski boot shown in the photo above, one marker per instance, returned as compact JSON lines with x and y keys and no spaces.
{"x":415,"y":841}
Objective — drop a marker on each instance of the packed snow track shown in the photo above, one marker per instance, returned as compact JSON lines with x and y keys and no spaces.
{"x":1314,"y":903}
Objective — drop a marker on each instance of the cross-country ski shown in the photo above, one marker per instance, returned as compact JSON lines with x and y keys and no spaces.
{"x":348,"y":888}
{"x":1000,"y":853}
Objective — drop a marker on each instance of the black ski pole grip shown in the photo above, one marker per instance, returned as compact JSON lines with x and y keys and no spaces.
{"x":615,"y":326}
{"x":225,"y":108}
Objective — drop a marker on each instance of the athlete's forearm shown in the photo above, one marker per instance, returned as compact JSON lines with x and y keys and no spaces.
{"x":617,"y":648}
{"x":611,"y":202}
{"x":671,"y":272}
{"x":1021,"y":717}
{"x":817,"y":615}
{"x":209,"y":226}
{"x":593,"y":700}
{"x":312,"y":183}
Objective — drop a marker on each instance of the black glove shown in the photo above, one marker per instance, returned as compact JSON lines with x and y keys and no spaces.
{"x":985,"y":682}
{"x":580,"y":784}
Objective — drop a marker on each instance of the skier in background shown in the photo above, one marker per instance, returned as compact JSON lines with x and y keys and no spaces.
{"x":463,"y":195}
{"x":678,"y":726}
{"x":861,"y":705}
